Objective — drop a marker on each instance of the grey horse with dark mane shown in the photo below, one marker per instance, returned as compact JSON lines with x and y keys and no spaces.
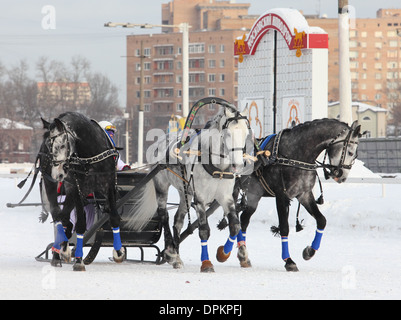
{"x":291,"y":173}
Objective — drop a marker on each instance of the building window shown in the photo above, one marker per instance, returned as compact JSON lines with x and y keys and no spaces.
{"x":212,"y":48}
{"x":222,"y":48}
{"x":391,"y":34}
{"x":197,"y":48}
{"x":212,"y":63}
{"x":211,"y":77}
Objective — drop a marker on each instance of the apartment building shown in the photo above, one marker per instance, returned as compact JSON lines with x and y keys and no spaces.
{"x":375,"y":57}
{"x":212,"y":67}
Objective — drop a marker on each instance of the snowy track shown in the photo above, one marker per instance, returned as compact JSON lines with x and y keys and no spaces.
{"x":359,"y":257}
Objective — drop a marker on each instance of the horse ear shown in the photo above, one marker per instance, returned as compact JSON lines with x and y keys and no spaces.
{"x":46,"y":124}
{"x":59,"y":124}
{"x":245,"y":111}
{"x":354,"y":125}
{"x":357,"y":131}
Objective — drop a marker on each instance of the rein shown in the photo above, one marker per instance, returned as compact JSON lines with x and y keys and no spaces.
{"x":329,"y":169}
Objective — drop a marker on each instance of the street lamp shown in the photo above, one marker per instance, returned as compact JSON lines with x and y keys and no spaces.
{"x":184,"y":28}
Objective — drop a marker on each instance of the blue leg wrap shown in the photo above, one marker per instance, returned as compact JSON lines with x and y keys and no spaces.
{"x":285,"y":254}
{"x":318,"y":239}
{"x":241,"y":236}
{"x":60,"y":237}
{"x":116,"y":239}
{"x":79,"y":248}
{"x":204,"y":254}
{"x":229,"y":244}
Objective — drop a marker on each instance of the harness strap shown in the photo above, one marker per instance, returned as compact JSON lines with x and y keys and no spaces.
{"x":22,"y":183}
{"x":275,"y":159}
{"x":263,"y":182}
{"x":98,"y":158}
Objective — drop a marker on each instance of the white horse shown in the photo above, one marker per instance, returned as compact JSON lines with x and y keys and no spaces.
{"x":205,"y":171}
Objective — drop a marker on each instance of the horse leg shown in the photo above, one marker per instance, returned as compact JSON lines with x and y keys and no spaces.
{"x":178,"y":224}
{"x":80,"y":228}
{"x":118,"y":251}
{"x":204,"y":234}
{"x":169,"y":252}
{"x":308,"y":201}
{"x":282,"y":204}
{"x":61,"y":249}
{"x":224,"y":252}
{"x":252,"y":203}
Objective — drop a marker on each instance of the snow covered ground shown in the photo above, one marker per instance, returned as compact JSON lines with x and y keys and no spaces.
{"x":359,"y":257}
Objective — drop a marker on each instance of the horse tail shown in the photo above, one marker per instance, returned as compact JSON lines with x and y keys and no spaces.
{"x":143,"y":207}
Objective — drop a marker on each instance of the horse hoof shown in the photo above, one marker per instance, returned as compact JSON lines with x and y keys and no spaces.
{"x":119,"y":255}
{"x":221,"y":256}
{"x":308,"y":253}
{"x":290,"y":265}
{"x":56,"y":261}
{"x":245,"y":264}
{"x":173,"y":258}
{"x":178,"y":264}
{"x":207,"y":267}
{"x":242,"y":256}
{"x":79,"y":265}
{"x":65,"y":252}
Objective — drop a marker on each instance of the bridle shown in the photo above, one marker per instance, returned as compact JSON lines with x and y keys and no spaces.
{"x":69,"y":134}
{"x":72,"y":158}
{"x":237,"y":118}
{"x":332,"y":171}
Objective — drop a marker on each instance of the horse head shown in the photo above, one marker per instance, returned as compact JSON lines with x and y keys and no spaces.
{"x":342,"y":152}
{"x":235,"y":129}
{"x":61,"y":146}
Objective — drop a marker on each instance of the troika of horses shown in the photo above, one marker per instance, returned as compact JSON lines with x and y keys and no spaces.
{"x":221,"y":163}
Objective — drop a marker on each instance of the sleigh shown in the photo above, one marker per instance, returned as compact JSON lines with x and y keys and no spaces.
{"x":100,"y":233}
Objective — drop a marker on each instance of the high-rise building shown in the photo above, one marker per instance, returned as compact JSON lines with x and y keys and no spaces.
{"x":375,"y":57}
{"x":212,"y":67}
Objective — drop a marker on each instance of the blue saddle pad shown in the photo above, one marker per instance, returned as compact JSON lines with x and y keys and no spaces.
{"x":266,"y":141}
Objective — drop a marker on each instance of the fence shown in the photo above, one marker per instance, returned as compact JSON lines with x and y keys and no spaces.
{"x":381,"y":155}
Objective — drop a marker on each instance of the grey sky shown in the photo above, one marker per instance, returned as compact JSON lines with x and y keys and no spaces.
{"x":79,"y":28}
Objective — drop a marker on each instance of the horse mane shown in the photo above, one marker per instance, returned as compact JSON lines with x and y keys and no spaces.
{"x":315,"y":122}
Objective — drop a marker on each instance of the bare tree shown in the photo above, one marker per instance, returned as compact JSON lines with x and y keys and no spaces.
{"x":104,"y":97}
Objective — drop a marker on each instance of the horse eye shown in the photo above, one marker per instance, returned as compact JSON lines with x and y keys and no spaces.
{"x":351,"y":154}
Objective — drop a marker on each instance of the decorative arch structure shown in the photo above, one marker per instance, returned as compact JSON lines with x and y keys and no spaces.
{"x":283,"y":70}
